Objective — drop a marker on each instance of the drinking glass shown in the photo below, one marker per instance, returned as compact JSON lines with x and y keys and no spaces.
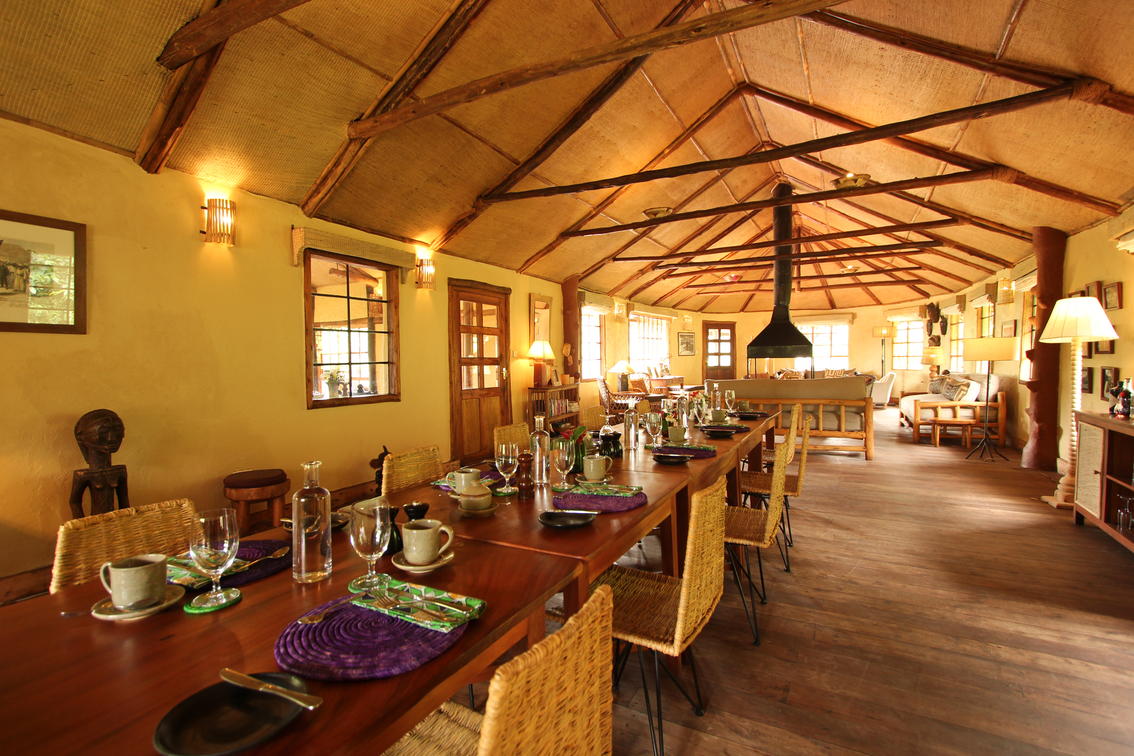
{"x":213,"y":545}
{"x":507,"y":459}
{"x":563,"y":460}
{"x":370,"y":528}
{"x":730,"y":399}
{"x":654,"y":426}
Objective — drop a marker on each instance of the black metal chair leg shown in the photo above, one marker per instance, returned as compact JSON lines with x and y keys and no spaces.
{"x":783,"y":555}
{"x":760,"y":563}
{"x":472,"y":698}
{"x":700,"y":710}
{"x":749,"y":613}
{"x":649,"y":710}
{"x":785,"y":523}
{"x":621,"y":657}
{"x":657,"y":698}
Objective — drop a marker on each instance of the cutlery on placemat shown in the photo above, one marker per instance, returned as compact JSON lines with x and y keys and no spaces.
{"x":279,"y":553}
{"x":414,"y":598}
{"x":387,"y":602}
{"x":314,"y":619}
{"x":306,"y":700}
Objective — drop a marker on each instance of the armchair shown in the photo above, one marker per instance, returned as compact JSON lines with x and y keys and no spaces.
{"x":617,"y":402}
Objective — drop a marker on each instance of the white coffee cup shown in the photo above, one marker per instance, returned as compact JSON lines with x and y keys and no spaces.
{"x":134,"y":582}
{"x":676,"y":434}
{"x":421,"y":541}
{"x":719,"y":415}
{"x":464,"y":479}
{"x":596,"y":466}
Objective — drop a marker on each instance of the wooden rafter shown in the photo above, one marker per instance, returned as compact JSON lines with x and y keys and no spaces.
{"x":911,"y":282}
{"x":837,"y":246}
{"x":739,"y":266}
{"x":1081,"y":89}
{"x":981,"y":61}
{"x":609,"y":52}
{"x":937,"y":153}
{"x":762,"y":232}
{"x":810,"y":253}
{"x":214,"y":26}
{"x":417,"y":66}
{"x":879,"y":271}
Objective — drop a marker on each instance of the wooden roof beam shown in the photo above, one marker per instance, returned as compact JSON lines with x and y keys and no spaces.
{"x":937,"y":153}
{"x":742,"y":266}
{"x":873,"y":272}
{"x":665,"y":275}
{"x":911,"y":282}
{"x":214,"y":26}
{"x":706,"y":27}
{"x":798,"y":256}
{"x":966,"y":56}
{"x":417,"y":66}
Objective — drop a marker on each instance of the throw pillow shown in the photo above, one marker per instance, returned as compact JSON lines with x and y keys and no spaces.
{"x":937,"y":384}
{"x":956,"y":390}
{"x":792,"y":375}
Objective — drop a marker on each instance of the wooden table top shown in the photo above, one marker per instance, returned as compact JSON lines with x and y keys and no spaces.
{"x":77,"y":683}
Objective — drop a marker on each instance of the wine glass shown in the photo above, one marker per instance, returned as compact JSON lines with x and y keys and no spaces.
{"x":213,"y":545}
{"x":654,"y":426}
{"x":563,"y":459}
{"x":370,"y":528}
{"x":507,"y":459}
{"x":730,"y":399}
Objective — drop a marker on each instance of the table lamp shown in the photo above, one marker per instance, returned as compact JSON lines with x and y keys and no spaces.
{"x":622,"y":369}
{"x":988,"y":349}
{"x":883,"y":332}
{"x":1073,"y":321}
{"x":934,"y":356}
{"x":540,"y":353}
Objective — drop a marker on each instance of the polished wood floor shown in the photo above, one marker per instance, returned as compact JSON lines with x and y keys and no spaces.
{"x":934,"y":606}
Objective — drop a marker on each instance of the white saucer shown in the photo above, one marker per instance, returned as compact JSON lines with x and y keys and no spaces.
{"x":104,"y":610}
{"x":588,"y":482}
{"x":482,"y":512}
{"x":400,"y":562}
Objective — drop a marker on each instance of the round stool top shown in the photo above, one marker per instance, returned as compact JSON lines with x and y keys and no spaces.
{"x":254,"y":478}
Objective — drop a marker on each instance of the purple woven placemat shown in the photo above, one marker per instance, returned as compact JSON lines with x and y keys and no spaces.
{"x":593,"y":503}
{"x":250,"y":550}
{"x":695,"y":453}
{"x":353,"y":643}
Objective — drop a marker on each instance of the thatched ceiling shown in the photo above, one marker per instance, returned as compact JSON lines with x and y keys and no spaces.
{"x":276,"y":99}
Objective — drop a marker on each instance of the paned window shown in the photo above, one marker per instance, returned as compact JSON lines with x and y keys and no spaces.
{"x":1028,"y":334}
{"x":830,"y":346}
{"x":649,"y":340}
{"x":590,"y":359}
{"x":909,"y":341}
{"x":956,"y":344}
{"x":351,"y":314}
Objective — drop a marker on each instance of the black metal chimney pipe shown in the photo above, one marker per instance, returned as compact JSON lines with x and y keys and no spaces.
{"x":780,"y":338}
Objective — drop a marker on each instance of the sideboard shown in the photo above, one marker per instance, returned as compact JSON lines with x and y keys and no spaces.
{"x":1104,"y":474}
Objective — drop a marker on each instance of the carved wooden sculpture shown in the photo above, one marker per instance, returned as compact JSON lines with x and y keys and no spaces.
{"x":99,"y":433}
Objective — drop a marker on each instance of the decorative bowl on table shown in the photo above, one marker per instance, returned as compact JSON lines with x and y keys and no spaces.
{"x":569,"y":519}
{"x":665,"y":458}
{"x":717,"y":433}
{"x":749,"y":414}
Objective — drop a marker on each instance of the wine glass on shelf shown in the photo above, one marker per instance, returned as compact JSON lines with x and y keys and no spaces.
{"x":654,"y":426}
{"x":213,"y":545}
{"x":507,"y":459}
{"x":563,"y":459}
{"x":370,"y":528}
{"x":730,"y":399}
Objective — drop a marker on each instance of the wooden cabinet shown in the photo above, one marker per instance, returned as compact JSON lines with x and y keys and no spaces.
{"x":1104,"y":472}
{"x":560,"y":404}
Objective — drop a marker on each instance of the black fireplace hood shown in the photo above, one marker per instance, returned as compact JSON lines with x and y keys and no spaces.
{"x":780,"y":338}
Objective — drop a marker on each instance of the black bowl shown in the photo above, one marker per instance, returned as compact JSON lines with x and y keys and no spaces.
{"x":717,"y":433}
{"x":416,"y":510}
{"x":553,"y":519}
{"x":672,"y":459}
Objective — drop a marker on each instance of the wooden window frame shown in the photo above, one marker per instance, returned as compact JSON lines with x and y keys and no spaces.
{"x":919,"y":342}
{"x":601,"y":347}
{"x":808,"y":330}
{"x":393,"y":283}
{"x":956,"y":343}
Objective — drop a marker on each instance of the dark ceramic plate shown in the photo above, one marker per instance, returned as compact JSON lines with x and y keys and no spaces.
{"x":749,"y":414}
{"x":566,"y":519}
{"x":223,"y":718}
{"x":717,"y":433}
{"x":672,"y":459}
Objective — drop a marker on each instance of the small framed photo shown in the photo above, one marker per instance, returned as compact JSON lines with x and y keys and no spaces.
{"x":1094,"y":289}
{"x":1088,"y":349}
{"x":1112,"y":296}
{"x":555,"y":379}
{"x":1008,"y":328}
{"x":1076,"y":293}
{"x":43,"y":280}
{"x":1087,"y":381}
{"x":1108,"y":379}
{"x":686,"y":343}
{"x":1104,"y":347}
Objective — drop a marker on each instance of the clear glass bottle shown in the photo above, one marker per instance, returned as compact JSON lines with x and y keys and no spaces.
{"x":630,"y":430}
{"x":541,"y":453}
{"x":311,"y":528}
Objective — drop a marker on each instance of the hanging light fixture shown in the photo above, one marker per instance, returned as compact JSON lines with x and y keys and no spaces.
{"x":851,"y":181}
{"x":424,"y":268}
{"x":220,"y":221}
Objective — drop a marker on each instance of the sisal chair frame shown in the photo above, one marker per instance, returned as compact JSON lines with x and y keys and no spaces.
{"x":757,"y":482}
{"x":592,"y":418}
{"x":516,"y":433}
{"x":554,"y":698}
{"x":84,"y":544}
{"x":410,"y":468}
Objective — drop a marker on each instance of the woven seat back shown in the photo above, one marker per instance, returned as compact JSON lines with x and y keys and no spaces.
{"x":605,"y":399}
{"x":409,"y":468}
{"x":793,"y":430}
{"x":776,"y":497}
{"x":516,"y":433}
{"x":802,"y":461}
{"x":84,"y":544}
{"x":703,"y":578}
{"x":556,"y":697}
{"x":592,"y":418}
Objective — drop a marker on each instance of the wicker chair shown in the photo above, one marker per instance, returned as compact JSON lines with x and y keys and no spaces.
{"x":592,"y":418}
{"x":410,"y":468}
{"x":617,"y":402}
{"x":516,"y":433}
{"x":554,"y":698}
{"x":664,"y":614}
{"x":83,"y":545}
{"x":758,"y":483}
{"x":748,"y":528}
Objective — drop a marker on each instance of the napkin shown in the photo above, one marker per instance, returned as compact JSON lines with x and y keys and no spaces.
{"x":179,"y":570}
{"x":602,"y":490}
{"x":412,"y":613}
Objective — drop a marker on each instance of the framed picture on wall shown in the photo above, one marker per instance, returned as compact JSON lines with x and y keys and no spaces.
{"x":1104,"y":347}
{"x":1008,"y":328}
{"x":1112,"y":296}
{"x":1088,"y":349}
{"x":686,"y":343}
{"x":1094,"y":289}
{"x":1087,"y":381}
{"x":43,"y":279}
{"x":1108,"y":379}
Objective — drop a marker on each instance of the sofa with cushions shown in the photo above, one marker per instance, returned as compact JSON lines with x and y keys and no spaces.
{"x":835,"y":408}
{"x":956,"y":396}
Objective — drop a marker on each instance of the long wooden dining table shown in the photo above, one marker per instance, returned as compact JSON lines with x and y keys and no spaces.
{"x":73,"y":683}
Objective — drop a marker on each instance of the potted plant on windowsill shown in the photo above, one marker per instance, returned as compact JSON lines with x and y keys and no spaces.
{"x":334,"y":380}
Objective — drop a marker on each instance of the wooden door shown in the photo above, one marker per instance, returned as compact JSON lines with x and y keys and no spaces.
{"x":478,"y":367}
{"x":719,"y":348}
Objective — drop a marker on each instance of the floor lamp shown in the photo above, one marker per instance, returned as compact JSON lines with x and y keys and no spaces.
{"x":883,"y":332}
{"x":1073,"y":321}
{"x":990,"y":349}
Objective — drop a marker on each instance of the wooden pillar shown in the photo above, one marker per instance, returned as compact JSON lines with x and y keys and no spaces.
{"x":1041,"y":452}
{"x":572,"y":324}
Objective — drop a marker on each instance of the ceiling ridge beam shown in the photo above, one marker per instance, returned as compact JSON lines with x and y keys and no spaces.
{"x":214,"y":26}
{"x":1026,"y":73}
{"x":609,"y":52}
{"x":1081,"y":88}
{"x":937,"y":153}
{"x":417,"y":66}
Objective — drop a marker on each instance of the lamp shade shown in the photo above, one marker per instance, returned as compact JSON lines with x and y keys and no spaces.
{"x":883,"y":332}
{"x":540,"y":350}
{"x":622,"y":367}
{"x":1079,"y":318}
{"x":933,"y":355}
{"x":990,"y":349}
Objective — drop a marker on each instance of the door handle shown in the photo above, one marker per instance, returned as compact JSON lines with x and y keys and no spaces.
{"x":503,"y":373}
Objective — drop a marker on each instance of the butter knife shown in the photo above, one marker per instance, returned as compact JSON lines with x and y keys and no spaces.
{"x":412,"y":597}
{"x":242,"y":680}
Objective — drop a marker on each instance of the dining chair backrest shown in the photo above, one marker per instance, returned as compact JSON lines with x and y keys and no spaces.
{"x":802,"y":461}
{"x":793,"y":430}
{"x":84,"y":544}
{"x":516,"y":433}
{"x":776,"y":496}
{"x":605,"y":399}
{"x":409,"y":468}
{"x":702,"y":580}
{"x":556,"y":697}
{"x":592,"y":418}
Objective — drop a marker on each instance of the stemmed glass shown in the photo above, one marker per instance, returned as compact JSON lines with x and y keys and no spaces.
{"x":370,"y":528}
{"x":563,"y":459}
{"x":213,"y":545}
{"x":507,"y":459}
{"x":730,"y":399}
{"x":654,"y":426}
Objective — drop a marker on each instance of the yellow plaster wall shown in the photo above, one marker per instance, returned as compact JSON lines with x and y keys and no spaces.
{"x":197,"y":346}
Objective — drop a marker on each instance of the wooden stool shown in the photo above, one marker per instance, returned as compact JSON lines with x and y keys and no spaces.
{"x":249,"y":487}
{"x":965,"y":424}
